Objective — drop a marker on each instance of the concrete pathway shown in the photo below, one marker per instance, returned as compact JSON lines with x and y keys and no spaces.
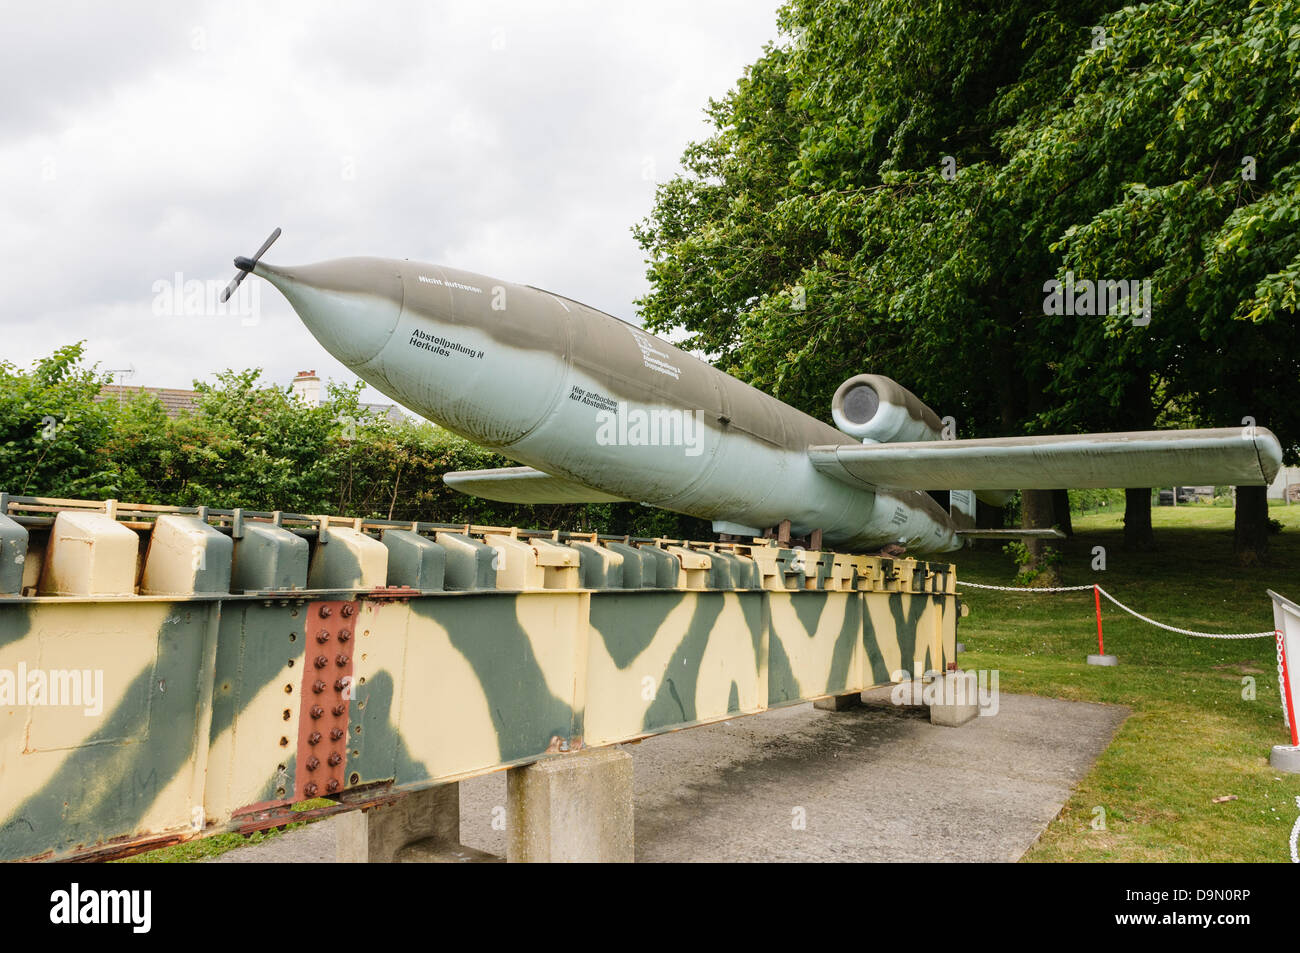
{"x":877,"y":783}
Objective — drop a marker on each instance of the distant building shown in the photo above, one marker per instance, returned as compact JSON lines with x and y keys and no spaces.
{"x":175,"y":402}
{"x":309,"y":389}
{"x":1286,"y":485}
{"x":306,"y":386}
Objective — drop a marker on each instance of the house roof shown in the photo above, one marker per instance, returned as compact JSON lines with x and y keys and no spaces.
{"x":174,"y":400}
{"x":391,"y":411}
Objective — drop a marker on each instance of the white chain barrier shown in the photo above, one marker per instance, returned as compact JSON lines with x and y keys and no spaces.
{"x":1275,"y":634}
{"x":979,"y":585}
{"x":1270,"y":634}
{"x":1281,"y":680}
{"x":1295,"y":835}
{"x":1169,"y":628}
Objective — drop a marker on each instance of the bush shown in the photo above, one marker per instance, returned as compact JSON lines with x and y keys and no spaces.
{"x":1028,"y":569}
{"x":1086,"y":501}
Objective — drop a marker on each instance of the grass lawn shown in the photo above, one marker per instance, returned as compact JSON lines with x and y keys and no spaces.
{"x":1192,"y":736}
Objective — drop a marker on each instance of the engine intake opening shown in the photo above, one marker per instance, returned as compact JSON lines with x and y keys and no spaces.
{"x":875,"y":409}
{"x":860,"y":404}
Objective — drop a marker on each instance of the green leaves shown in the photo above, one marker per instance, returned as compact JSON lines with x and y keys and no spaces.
{"x":921,"y":170}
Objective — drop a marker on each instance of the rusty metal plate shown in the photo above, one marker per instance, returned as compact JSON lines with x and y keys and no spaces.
{"x":321,"y":769}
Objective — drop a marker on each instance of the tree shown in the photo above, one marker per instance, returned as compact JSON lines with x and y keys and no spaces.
{"x":846,"y":214}
{"x":1176,"y":160}
{"x":896,"y":186}
{"x":51,"y":429}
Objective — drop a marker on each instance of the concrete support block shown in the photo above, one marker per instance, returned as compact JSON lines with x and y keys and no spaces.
{"x":953,"y":716}
{"x":378,"y":834}
{"x":951,"y":697}
{"x":839,"y":702}
{"x":433,"y":850}
{"x":959,"y":701}
{"x":1285,"y":758}
{"x":1102,"y":660}
{"x":577,"y":808}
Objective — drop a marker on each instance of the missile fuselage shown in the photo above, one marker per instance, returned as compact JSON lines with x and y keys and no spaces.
{"x":572,"y":391}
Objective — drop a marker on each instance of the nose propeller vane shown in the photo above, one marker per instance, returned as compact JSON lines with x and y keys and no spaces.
{"x":245,"y":265}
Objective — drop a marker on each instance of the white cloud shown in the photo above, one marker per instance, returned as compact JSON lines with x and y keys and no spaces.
{"x":505,"y":138}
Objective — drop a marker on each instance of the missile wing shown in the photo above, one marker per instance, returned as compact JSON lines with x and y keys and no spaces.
{"x":525,"y":485}
{"x":1236,"y":456}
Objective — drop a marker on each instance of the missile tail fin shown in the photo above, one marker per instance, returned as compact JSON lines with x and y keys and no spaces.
{"x":1052,"y":533}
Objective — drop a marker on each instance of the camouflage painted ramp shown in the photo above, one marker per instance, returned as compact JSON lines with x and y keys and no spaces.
{"x":423,"y":654}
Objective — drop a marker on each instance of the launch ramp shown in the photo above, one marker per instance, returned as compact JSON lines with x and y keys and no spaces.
{"x":169,"y":672}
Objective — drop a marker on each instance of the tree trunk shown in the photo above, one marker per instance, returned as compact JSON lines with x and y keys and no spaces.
{"x":1137,"y":520}
{"x":1037,"y":512}
{"x":1250,"y":525}
{"x":1061,"y":508}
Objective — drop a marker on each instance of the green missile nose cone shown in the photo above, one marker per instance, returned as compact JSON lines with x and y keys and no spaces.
{"x":350,"y":305}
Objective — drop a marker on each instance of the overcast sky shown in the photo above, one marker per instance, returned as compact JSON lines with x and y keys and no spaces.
{"x":520,"y":140}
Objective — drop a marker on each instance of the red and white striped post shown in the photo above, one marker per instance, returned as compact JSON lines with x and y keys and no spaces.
{"x":1101,"y":658}
{"x":1286,"y":621}
{"x":1101,"y":644}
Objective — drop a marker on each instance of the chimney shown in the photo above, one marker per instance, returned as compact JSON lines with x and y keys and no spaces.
{"x":307,"y":388}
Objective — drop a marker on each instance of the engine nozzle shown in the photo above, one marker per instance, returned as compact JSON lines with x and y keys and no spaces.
{"x":876,"y":409}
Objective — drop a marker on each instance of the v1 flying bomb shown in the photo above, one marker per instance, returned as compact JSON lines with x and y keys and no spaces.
{"x":597,"y":410}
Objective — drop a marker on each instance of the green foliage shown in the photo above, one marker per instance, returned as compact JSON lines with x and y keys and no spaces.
{"x":255,"y":445}
{"x":1087,"y":501}
{"x":51,"y":429}
{"x":1030,"y":567}
{"x":815,"y":233}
